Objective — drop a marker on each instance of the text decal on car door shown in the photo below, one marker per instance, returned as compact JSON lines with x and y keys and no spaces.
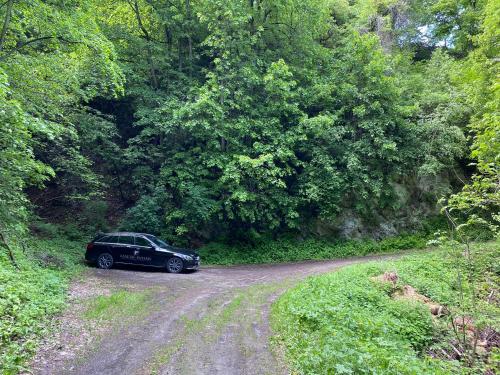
{"x":133,"y":257}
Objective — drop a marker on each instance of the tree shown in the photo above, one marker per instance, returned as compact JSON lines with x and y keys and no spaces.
{"x":55,"y":58}
{"x":18,"y":167}
{"x":481,"y":196}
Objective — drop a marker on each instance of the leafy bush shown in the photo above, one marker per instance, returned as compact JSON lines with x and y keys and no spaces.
{"x":45,"y":230}
{"x":93,"y":215}
{"x":146,"y":216}
{"x":289,"y":250}
{"x":30,"y":295}
{"x":326,"y":327}
{"x":69,"y":231}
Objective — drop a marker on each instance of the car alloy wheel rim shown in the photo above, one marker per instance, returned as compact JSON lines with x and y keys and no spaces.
{"x":175,"y":264}
{"x":105,"y":261}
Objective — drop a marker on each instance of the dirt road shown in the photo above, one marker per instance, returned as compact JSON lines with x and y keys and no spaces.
{"x":214,"y":321}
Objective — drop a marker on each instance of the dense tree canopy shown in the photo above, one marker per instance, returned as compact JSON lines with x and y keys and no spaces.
{"x":198,"y":119}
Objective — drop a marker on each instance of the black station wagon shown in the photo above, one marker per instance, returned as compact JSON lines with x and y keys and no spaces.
{"x":140,"y":249}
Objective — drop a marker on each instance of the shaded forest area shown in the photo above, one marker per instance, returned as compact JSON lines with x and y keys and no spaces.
{"x":204,"y":120}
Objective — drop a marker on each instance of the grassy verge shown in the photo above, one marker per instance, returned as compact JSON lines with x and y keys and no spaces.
{"x":31,"y":294}
{"x":347,"y":323}
{"x":118,"y":306}
{"x":310,"y":249}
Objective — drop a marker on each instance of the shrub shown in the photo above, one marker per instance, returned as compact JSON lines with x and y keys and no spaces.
{"x":146,"y":216}
{"x":93,"y":216}
{"x":31,"y":295}
{"x":290,"y":250}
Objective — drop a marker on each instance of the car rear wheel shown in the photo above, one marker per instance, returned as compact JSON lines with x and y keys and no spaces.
{"x":105,"y":261}
{"x":175,"y":265}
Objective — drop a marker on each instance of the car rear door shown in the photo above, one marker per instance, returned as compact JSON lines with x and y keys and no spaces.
{"x":126,"y":250}
{"x":108,"y":244}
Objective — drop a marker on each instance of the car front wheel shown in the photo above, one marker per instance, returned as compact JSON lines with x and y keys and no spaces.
{"x":175,"y":265}
{"x":105,"y":261}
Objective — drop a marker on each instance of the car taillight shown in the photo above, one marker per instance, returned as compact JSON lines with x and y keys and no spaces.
{"x":90,"y":246}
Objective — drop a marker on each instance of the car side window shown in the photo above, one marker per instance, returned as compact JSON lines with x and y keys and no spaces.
{"x":103,"y":239}
{"x":139,"y":241}
{"x":127,"y":240}
{"x":111,"y":239}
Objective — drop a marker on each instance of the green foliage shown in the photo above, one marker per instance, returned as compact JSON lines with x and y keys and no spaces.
{"x":481,"y":196}
{"x":18,"y":167}
{"x":295,"y":116}
{"x":145,"y":217}
{"x":293,"y":250}
{"x":54,"y":232}
{"x":328,"y":328}
{"x":328,"y":140}
{"x":240,"y":120}
{"x":250,"y":118}
{"x":30,"y":295}
{"x":93,"y":216}
{"x":53,"y":58}
{"x":458,"y":22}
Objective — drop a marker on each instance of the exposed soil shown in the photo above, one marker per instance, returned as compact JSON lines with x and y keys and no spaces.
{"x":213,"y":321}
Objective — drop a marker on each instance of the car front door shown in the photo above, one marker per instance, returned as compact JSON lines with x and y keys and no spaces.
{"x":146,"y":252}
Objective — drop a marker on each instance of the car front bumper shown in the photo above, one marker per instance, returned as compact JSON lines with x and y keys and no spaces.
{"x":193,"y":265}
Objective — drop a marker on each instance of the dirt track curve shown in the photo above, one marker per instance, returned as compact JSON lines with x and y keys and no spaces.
{"x":214,"y":321}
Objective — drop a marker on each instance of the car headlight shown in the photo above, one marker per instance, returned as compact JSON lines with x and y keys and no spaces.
{"x":185,"y":257}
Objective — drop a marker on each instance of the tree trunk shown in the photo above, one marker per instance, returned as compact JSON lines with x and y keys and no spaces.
{"x":154,"y":79}
{"x":168,"y":39}
{"x":179,"y":41}
{"x":9,"y":251}
{"x":189,"y":40}
{"x":6,"y":23}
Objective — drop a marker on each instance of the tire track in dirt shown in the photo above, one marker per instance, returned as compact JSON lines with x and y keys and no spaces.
{"x":214,"y":321}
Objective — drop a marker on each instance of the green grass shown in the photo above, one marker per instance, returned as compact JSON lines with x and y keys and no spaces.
{"x":289,"y":250}
{"x":121,"y":304}
{"x":345,"y":323}
{"x":31,"y":295}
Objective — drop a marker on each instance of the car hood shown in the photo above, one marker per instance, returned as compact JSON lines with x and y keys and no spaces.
{"x":180,"y":250}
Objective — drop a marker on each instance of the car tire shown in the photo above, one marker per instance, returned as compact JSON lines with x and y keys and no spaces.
{"x":175,"y":265}
{"x":105,"y":261}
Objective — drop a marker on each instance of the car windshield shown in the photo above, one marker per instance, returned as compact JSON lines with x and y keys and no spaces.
{"x":157,"y":241}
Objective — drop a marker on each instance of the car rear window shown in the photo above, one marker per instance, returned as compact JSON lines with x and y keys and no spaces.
{"x":98,"y":238}
{"x":108,"y":239}
{"x":128,"y":240}
{"x":112,"y":239}
{"x":142,"y":241}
